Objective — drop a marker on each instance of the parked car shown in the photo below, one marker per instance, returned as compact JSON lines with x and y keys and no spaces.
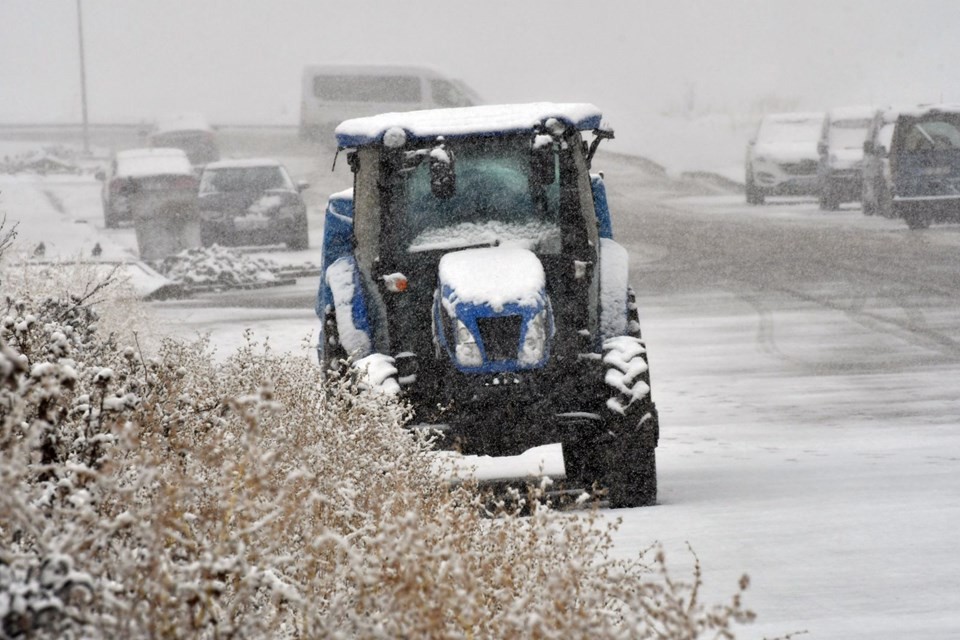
{"x":134,"y":172}
{"x":782,"y":157}
{"x":840,"y":171}
{"x":252,"y":201}
{"x":912,"y":165}
{"x":190,"y":132}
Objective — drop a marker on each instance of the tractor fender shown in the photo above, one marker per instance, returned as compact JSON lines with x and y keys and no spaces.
{"x":614,"y":286}
{"x":350,"y":306}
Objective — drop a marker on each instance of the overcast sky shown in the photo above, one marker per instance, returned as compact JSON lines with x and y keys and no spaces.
{"x":240,"y":60}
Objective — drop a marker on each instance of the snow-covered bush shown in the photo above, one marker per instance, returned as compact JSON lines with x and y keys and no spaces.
{"x":164,"y":494}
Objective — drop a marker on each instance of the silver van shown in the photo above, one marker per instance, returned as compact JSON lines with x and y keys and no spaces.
{"x":334,"y":93}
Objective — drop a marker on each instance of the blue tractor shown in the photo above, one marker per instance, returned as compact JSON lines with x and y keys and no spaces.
{"x":472,"y":269}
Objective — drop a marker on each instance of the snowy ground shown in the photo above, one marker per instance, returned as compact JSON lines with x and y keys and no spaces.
{"x":814,"y":447}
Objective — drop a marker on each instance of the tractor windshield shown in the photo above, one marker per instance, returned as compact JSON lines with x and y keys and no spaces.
{"x":504,"y":191}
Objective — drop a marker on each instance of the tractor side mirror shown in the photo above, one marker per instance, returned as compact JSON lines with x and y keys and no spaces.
{"x":543,"y":165}
{"x":443,"y":174}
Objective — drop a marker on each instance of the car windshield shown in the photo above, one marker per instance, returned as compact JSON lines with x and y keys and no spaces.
{"x":792,"y":130}
{"x":496,"y":199}
{"x":229,"y":179}
{"x":848,"y":134}
{"x":934,"y":133}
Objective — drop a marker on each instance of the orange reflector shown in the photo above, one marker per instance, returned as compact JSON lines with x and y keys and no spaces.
{"x":395,"y":282}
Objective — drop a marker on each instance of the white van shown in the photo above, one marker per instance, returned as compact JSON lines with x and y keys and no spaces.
{"x":334,"y":93}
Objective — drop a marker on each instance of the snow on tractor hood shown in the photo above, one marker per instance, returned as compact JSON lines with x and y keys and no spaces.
{"x":493,"y":276}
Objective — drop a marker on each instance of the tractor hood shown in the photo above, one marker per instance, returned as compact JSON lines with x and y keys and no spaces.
{"x":491,"y":311}
{"x":492,"y":276}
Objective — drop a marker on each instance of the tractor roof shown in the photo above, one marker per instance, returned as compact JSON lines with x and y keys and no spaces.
{"x":485,"y":120}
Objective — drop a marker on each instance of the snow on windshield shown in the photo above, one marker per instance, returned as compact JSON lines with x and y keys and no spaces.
{"x":797,"y":129}
{"x":153,"y":162}
{"x":496,"y":200}
{"x":538,"y":236}
{"x":848,"y":134}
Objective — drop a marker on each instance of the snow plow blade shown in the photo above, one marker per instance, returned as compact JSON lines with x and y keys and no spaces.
{"x":532,"y":464}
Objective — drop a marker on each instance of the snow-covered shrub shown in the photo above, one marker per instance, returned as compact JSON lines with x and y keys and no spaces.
{"x":164,"y":494}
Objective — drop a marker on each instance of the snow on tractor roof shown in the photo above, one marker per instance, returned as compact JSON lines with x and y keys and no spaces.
{"x":243,"y":163}
{"x":465,"y":121}
{"x":135,"y":163}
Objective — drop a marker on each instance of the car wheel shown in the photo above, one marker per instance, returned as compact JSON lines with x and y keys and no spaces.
{"x":300,"y":238}
{"x":884,"y":201}
{"x":916,"y":220}
{"x":866,"y":203}
{"x":754,"y":194}
{"x":828,"y":199}
{"x":109,"y":217}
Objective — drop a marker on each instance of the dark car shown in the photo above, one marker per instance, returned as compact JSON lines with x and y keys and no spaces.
{"x":137,"y":173}
{"x":912,"y":165}
{"x":189,"y":132}
{"x":841,"y":155}
{"x":252,"y":202}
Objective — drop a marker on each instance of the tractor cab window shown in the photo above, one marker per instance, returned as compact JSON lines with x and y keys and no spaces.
{"x":497,"y":191}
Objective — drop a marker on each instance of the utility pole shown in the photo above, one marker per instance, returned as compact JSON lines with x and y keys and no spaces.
{"x":83,"y":82}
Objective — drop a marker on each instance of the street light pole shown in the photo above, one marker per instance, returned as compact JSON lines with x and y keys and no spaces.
{"x":83,"y":82}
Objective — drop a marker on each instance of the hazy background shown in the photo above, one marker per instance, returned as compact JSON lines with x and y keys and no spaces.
{"x":239,"y":61}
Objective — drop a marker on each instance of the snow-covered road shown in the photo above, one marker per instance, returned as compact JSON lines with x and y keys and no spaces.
{"x":806,"y":366}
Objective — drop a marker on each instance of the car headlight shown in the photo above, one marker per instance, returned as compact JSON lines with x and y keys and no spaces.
{"x":535,"y":341}
{"x":466,"y":347}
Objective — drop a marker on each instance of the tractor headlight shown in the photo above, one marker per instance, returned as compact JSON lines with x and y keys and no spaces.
{"x":535,"y":341}
{"x":467,"y":349}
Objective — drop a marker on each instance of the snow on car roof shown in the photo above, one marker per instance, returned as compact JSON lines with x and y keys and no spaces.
{"x":853,"y":113}
{"x":466,"y":121}
{"x":799,"y":116}
{"x":920,"y":110}
{"x":153,"y":162}
{"x":243,"y":163}
{"x":181,"y":122}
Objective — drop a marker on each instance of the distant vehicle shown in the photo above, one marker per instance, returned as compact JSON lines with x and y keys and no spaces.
{"x":135,"y":172}
{"x":187,"y":131}
{"x":334,"y":93}
{"x":782,"y":157}
{"x":252,"y":201}
{"x":841,"y":155}
{"x":912,"y":165}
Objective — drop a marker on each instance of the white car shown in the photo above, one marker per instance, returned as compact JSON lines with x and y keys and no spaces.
{"x":135,"y":173}
{"x":841,"y":155}
{"x":782,"y":158}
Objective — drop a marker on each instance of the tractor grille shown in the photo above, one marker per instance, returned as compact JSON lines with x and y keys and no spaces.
{"x":501,"y":336}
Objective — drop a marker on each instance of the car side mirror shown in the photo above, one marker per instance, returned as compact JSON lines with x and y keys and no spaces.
{"x":100,"y":175}
{"x":302,"y":185}
{"x":443,"y":175}
{"x":822,"y":148}
{"x":868,"y":146}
